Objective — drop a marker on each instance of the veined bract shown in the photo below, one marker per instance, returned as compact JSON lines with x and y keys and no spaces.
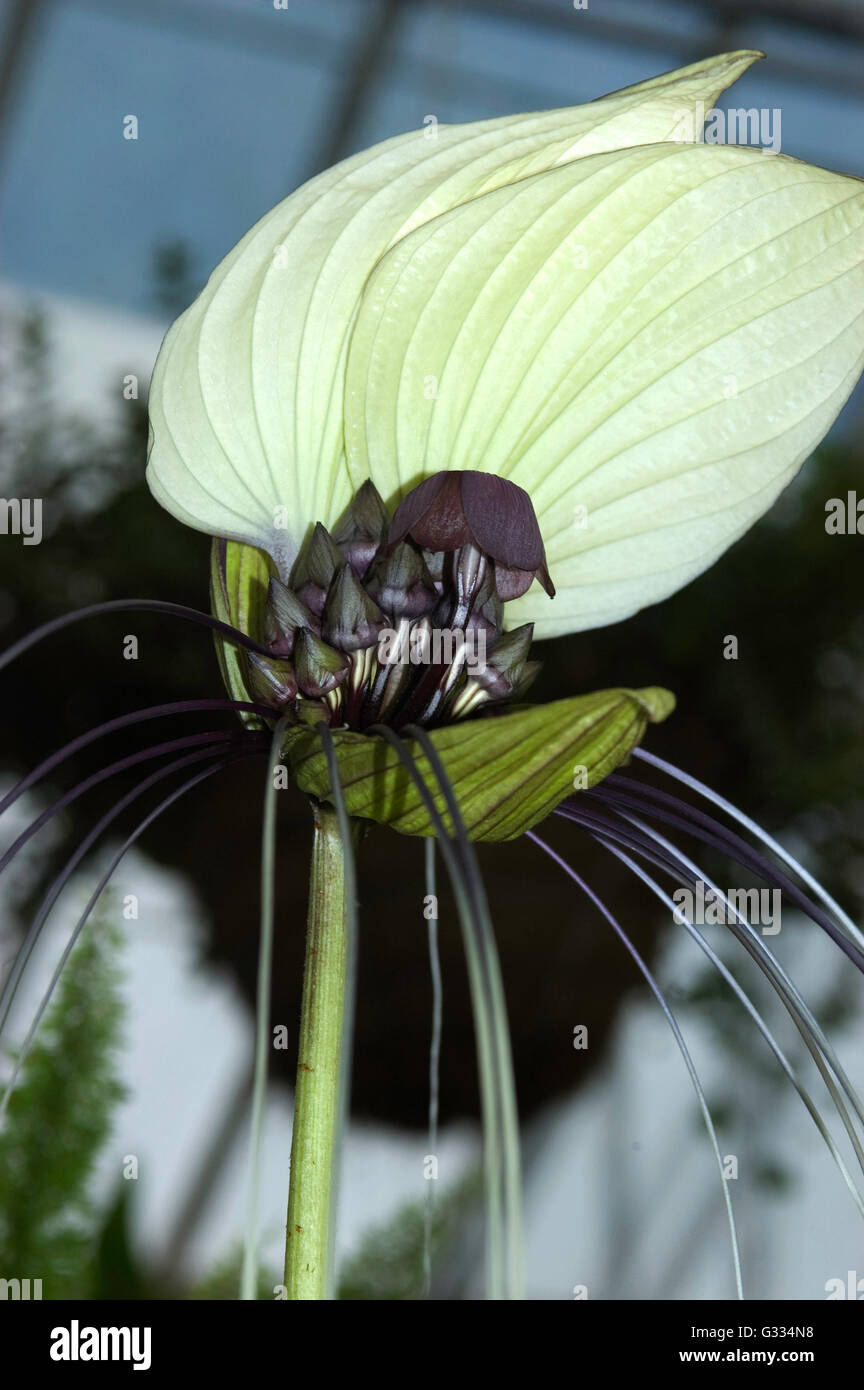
{"x":648,"y":336}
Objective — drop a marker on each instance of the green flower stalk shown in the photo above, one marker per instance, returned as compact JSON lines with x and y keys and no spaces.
{"x":566,"y":347}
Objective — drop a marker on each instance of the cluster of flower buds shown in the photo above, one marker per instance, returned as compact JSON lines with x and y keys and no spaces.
{"x":401,"y":622}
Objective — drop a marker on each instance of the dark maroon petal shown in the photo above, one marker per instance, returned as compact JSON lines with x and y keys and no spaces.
{"x":501,"y":520}
{"x":512,"y":583}
{"x":432,"y":514}
{"x":412,"y":507}
{"x":542,"y":573}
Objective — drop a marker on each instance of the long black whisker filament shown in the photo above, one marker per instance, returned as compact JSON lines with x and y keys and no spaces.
{"x":132,"y":605}
{"x":10,"y":985}
{"x":434,"y":1057}
{"x":626,"y":830}
{"x":249,"y":1269}
{"x":481,"y":1003}
{"x":125,"y":721}
{"x":349,"y":1006}
{"x":156,"y":750}
{"x":655,"y":847}
{"x":817,"y":1044}
{"x":619,"y":791}
{"x":676,"y":1031}
{"x":509,"y":1120}
{"x":736,"y":814}
{"x":501,"y":1146}
{"x":757,"y":1019}
{"x":97,"y":892}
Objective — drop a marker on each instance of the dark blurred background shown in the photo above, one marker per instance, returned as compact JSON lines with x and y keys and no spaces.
{"x":106,"y":239}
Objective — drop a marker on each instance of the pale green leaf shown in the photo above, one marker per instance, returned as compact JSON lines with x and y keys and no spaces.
{"x":659,"y":336}
{"x":246,"y":403}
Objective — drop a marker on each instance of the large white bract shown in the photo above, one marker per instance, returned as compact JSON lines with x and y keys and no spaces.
{"x":648,"y":336}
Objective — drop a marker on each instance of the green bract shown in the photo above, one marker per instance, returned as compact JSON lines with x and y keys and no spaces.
{"x":508,"y":772}
{"x":648,"y":336}
{"x":237,"y":595}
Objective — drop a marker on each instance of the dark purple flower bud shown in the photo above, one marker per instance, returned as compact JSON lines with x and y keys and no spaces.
{"x":314,"y":567}
{"x":319,"y":668}
{"x":487,"y":616}
{"x":270,"y":680}
{"x":361,"y":528}
{"x":457,"y":508}
{"x":285,"y":613}
{"x":505,"y":673}
{"x":460,"y":545}
{"x":505,"y":664}
{"x":352,"y":620}
{"x":401,"y":584}
{"x":530,"y":672}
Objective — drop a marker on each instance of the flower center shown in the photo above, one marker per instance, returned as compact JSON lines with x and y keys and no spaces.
{"x":402,"y":622}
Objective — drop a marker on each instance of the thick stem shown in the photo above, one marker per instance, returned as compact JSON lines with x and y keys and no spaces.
{"x":320,"y":1087}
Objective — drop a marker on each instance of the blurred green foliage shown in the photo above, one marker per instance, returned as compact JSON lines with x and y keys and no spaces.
{"x":221,"y":1283}
{"x":389,"y":1264}
{"x":58,"y":1121}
